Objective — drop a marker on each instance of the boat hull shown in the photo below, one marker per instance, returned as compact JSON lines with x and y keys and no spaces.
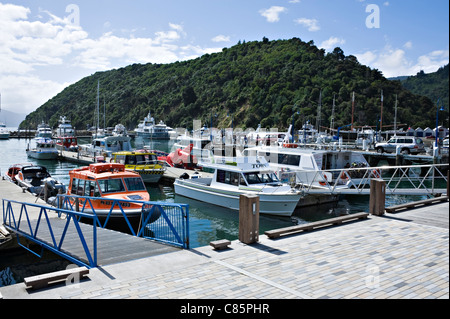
{"x":269,"y":204}
{"x":42,"y":155}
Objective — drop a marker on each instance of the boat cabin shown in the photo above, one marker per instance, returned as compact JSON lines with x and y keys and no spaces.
{"x":99,"y":180}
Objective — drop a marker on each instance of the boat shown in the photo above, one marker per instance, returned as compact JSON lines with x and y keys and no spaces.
{"x":107,"y":145}
{"x":64,"y":128}
{"x":45,"y":149}
{"x":316,"y":168}
{"x":67,"y":143}
{"x":145,"y":164}
{"x":180,"y":158}
{"x":34,"y":178}
{"x":44,"y":130}
{"x":109,"y":183}
{"x":199,"y":144}
{"x":241,"y":175}
{"x":149,"y":129}
{"x":4,"y":132}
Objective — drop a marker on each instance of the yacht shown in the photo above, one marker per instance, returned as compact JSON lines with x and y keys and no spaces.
{"x":4,"y":132}
{"x":315,"y":168}
{"x":149,"y":129}
{"x":242,"y":175}
{"x":44,"y":130}
{"x":106,"y":146}
{"x":64,"y":128}
{"x":45,"y":149}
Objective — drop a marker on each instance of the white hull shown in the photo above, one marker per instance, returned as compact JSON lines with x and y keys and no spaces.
{"x":270,"y":204}
{"x":42,"y":155}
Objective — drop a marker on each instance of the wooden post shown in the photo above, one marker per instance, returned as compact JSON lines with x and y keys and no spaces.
{"x":248,"y":219}
{"x":377,"y":199}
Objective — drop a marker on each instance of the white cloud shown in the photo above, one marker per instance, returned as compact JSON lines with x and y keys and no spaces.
{"x":331,"y":43}
{"x":54,"y":45}
{"x":408,"y":45}
{"x":395,"y":62}
{"x":311,"y":24}
{"x":273,"y":13}
{"x":221,"y":38}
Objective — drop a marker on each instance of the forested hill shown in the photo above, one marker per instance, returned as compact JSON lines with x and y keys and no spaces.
{"x":260,"y":82}
{"x":433,"y":85}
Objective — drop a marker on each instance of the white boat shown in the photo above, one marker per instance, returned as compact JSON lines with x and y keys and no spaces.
{"x":317,"y":168}
{"x":149,"y":129}
{"x":4,"y":132}
{"x":45,"y":149}
{"x":200,"y":144}
{"x":107,"y":145}
{"x":44,"y":130}
{"x":33,"y":178}
{"x":64,"y":128}
{"x":241,"y":175}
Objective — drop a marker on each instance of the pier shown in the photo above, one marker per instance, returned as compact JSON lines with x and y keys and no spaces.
{"x":393,"y":256}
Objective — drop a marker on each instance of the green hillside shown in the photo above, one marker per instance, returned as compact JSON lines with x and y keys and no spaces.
{"x":433,"y":85}
{"x":260,"y":82}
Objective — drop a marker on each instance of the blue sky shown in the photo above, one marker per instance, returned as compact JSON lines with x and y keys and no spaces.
{"x":46,"y":45}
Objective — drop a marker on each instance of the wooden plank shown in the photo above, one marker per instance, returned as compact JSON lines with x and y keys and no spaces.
{"x":220,"y":244}
{"x":435,"y":200}
{"x":309,"y":226}
{"x":41,"y":281}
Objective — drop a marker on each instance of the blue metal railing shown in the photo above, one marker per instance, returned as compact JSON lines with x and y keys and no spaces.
{"x":159,"y":221}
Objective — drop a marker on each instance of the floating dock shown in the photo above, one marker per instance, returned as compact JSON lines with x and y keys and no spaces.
{"x":394,"y":256}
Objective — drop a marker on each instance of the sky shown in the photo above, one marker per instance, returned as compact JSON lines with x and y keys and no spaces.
{"x":46,"y":45}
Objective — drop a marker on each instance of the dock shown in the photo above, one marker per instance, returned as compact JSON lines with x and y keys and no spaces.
{"x":394,"y":256}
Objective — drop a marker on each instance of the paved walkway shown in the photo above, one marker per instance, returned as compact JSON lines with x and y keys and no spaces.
{"x":381,"y":257}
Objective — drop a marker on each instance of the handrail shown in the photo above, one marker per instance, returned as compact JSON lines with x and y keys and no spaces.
{"x":399,"y":179}
{"x":174,"y":223}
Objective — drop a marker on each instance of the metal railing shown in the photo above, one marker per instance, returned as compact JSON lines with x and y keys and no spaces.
{"x":401,"y":180}
{"x":159,"y":221}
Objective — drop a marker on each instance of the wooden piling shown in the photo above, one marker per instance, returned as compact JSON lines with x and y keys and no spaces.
{"x":248,"y":219}
{"x":377,"y":199}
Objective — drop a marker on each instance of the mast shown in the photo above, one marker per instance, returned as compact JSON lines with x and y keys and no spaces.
{"x":98,"y":106}
{"x":319,"y":111}
{"x":332,"y":113}
{"x":353,"y":107}
{"x":395,"y":117}
{"x":381,"y":116}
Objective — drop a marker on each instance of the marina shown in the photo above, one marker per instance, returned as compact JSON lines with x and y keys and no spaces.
{"x":199,"y":240}
{"x":380,"y":257}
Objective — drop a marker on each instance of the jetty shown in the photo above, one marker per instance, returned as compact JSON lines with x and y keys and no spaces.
{"x":402,"y":255}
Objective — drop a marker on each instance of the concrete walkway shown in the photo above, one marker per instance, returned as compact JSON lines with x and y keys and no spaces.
{"x":381,"y":257}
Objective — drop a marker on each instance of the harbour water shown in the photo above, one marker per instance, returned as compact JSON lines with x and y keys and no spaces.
{"x":207,"y":222}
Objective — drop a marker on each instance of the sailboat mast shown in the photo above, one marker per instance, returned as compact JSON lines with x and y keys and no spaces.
{"x":98,"y":106}
{"x":353,"y":107}
{"x":332,"y":113}
{"x":395,"y":117}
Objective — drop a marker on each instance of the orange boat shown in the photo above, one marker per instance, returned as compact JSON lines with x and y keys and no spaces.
{"x":111,"y":182}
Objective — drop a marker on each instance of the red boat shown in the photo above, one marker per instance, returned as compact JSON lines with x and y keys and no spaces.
{"x":181,"y":158}
{"x":67,"y":143}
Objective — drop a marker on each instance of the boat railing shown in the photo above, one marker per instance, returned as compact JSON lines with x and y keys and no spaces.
{"x":428,"y":179}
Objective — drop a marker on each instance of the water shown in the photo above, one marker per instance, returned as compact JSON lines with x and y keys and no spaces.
{"x":207,"y":222}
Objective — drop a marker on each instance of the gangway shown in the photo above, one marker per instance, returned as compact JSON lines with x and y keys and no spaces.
{"x":91,"y":244}
{"x":427,"y":180}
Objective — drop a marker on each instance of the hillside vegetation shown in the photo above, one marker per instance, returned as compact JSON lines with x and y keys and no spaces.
{"x":260,"y":82}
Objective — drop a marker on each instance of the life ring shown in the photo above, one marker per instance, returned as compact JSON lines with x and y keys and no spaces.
{"x":323,"y":183}
{"x":376,"y":173}
{"x":343,"y":175}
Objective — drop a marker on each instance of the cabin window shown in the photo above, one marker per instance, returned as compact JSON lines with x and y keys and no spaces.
{"x":120,"y":159}
{"x":135,"y":184}
{"x":78,"y":187}
{"x":91,"y":189}
{"x":289,"y":159}
{"x":226,"y":177}
{"x":258,"y":178}
{"x":111,"y":185}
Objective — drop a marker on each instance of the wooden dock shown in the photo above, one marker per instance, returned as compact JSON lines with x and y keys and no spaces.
{"x":112,"y":246}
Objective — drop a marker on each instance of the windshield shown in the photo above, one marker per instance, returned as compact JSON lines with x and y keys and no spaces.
{"x":135,"y":184}
{"x":260,"y":178}
{"x":111,"y":185}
